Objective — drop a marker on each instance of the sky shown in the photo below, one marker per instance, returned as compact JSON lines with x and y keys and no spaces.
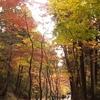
{"x":41,"y":1}
{"x":45,"y":24}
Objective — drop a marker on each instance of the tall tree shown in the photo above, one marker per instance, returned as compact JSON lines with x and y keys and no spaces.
{"x":16,"y":20}
{"x":75,"y":23}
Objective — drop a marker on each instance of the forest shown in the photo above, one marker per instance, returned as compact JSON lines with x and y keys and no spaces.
{"x":34,"y":67}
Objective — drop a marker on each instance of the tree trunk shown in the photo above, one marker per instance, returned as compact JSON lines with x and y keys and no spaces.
{"x":92,"y":76}
{"x":40,"y":72}
{"x":18,"y":82}
{"x":31,"y":59}
{"x":57,"y":89}
{"x":96,"y":66}
{"x":83,"y":74}
{"x":74,"y":94}
{"x":48,"y":76}
{"x":30,"y":79}
{"x":49,"y":82}
{"x":46,"y":94}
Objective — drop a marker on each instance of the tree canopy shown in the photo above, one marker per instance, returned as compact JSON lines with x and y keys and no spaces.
{"x":76,"y":20}
{"x":29,"y":63}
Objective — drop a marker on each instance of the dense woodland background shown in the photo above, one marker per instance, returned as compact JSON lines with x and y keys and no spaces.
{"x":29,"y":63}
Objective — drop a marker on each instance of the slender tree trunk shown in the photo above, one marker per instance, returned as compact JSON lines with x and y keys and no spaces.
{"x":57,"y":88}
{"x":72,"y":82}
{"x":95,"y":72}
{"x":17,"y":82}
{"x":96,"y":66}
{"x":40,"y":72}
{"x":30,"y":69}
{"x":83,"y":77}
{"x":30,"y":78}
{"x":48,"y":76}
{"x":46,"y":94}
{"x":49,"y":81}
{"x":19,"y":79}
{"x":31,"y":59}
{"x":92,"y":76}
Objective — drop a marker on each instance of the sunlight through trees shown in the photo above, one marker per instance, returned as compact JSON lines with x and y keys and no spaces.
{"x":49,"y":49}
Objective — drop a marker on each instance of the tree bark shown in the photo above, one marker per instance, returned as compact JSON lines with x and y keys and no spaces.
{"x":74,"y":94}
{"x":46,"y":94}
{"x":92,"y":72}
{"x":83,"y":77}
{"x":19,"y":80}
{"x":40,"y":72}
{"x":83,"y":74}
{"x":30,"y":77}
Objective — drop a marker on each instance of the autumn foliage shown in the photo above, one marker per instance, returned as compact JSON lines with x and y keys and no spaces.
{"x":23,"y":54}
